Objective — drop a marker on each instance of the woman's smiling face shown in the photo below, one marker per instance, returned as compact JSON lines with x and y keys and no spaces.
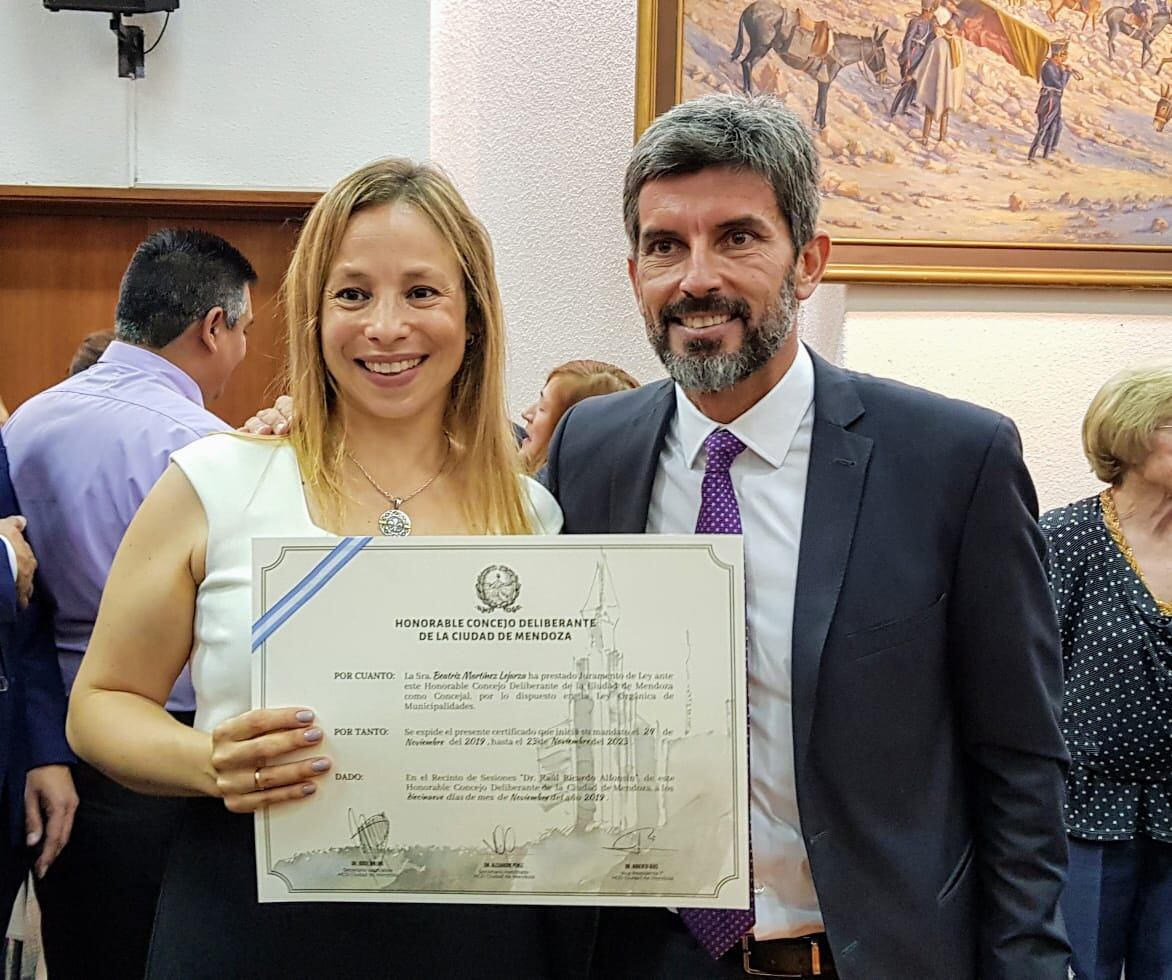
{"x":394,"y":314}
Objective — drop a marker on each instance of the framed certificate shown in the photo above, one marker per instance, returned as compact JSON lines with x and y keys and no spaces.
{"x":536,"y":720}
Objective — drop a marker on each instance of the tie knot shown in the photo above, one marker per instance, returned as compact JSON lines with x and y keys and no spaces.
{"x":722,"y":447}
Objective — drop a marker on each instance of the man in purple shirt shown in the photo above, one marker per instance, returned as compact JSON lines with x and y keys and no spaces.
{"x":83,"y":455}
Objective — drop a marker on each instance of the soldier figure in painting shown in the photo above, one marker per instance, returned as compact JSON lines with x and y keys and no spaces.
{"x":911,"y":53}
{"x":1055,"y":75}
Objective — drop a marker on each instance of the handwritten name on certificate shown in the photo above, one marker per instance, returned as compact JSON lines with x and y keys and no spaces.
{"x":530,"y":720}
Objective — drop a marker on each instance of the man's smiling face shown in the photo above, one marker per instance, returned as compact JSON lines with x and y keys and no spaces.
{"x":714,"y":274}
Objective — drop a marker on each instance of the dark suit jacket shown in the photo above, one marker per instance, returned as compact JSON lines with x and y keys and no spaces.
{"x":32,"y":707}
{"x":927,"y":675}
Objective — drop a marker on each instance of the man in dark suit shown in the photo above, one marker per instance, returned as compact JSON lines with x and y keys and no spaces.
{"x":905,"y":675}
{"x":37,"y":810}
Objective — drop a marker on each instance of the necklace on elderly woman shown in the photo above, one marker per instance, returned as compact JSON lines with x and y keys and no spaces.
{"x":1115,"y":529}
{"x":394,"y":522}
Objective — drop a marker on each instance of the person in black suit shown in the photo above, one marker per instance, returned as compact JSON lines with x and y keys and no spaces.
{"x":37,"y":799}
{"x":905,"y":675}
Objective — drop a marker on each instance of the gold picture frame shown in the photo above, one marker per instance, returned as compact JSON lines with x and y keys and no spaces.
{"x":874,"y":259}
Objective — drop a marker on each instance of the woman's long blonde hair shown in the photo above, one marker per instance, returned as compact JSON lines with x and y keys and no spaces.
{"x":476,"y":417}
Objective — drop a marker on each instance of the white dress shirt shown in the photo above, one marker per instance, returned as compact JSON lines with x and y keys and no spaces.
{"x":769,"y":478}
{"x":11,"y":552}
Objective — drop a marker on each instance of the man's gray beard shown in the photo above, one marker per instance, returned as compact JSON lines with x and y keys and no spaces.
{"x":704,"y":369}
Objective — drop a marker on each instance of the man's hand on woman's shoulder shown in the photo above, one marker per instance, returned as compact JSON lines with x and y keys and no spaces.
{"x":271,"y":421}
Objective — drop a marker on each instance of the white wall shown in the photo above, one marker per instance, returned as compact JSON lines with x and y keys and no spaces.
{"x":239,"y":93}
{"x":532,"y":113}
{"x":1039,"y":368}
{"x":63,"y":109}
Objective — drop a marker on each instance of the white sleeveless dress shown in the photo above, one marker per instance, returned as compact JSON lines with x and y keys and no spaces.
{"x":251,"y":488}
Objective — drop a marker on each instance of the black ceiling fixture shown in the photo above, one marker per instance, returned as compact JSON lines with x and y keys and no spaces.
{"x":132,"y":50}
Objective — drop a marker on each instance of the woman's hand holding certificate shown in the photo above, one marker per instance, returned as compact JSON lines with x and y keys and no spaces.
{"x":243,"y":752}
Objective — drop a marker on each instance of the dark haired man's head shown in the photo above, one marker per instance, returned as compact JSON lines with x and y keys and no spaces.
{"x":186,"y":295}
{"x":721,"y":209}
{"x":755,"y":135}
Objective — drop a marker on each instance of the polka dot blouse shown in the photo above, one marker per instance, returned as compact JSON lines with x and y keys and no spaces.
{"x":1117,"y":659}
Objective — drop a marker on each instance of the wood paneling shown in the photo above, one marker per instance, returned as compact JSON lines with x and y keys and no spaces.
{"x":62,"y":257}
{"x":121,"y":202}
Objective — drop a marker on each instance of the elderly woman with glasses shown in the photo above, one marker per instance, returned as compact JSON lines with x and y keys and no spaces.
{"x":1111,"y":573}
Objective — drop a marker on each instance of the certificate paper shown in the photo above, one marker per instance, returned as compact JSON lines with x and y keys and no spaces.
{"x":529,"y":720}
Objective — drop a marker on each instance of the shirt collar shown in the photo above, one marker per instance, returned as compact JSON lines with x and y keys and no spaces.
{"x":147,"y":361}
{"x":768,"y":428}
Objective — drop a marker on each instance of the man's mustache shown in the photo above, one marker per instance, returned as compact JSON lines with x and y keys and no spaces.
{"x":725,"y":306}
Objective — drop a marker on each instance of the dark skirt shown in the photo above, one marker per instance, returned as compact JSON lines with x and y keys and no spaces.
{"x":209,"y":924}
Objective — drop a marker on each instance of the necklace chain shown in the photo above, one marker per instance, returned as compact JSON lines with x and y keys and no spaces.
{"x":1115,"y":528}
{"x":395,"y":501}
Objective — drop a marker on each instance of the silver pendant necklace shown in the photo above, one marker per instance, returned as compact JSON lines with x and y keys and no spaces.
{"x":394,"y":522}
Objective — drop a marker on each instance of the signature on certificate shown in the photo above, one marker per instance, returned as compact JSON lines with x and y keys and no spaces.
{"x":504,"y":841}
{"x":636,"y":841}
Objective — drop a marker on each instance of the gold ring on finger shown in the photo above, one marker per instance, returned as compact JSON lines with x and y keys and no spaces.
{"x":256,"y":778}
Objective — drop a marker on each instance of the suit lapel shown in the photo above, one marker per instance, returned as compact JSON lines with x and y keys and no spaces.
{"x":637,"y":461}
{"x":834,"y":492}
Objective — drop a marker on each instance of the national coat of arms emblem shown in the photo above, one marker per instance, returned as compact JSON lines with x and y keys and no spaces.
{"x":498,"y":588}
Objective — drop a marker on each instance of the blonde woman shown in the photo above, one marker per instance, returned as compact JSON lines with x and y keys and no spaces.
{"x":396,"y":353}
{"x":565,"y":386}
{"x":1111,"y":574}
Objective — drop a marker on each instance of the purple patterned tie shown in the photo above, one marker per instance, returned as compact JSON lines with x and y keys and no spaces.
{"x":718,"y":930}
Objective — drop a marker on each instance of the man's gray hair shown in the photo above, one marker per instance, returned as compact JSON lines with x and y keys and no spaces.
{"x":756,"y":134}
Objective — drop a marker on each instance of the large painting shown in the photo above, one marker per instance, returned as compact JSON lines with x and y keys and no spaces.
{"x":1004,"y":141}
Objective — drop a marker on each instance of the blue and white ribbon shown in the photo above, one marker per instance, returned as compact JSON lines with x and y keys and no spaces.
{"x":306,"y":589}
